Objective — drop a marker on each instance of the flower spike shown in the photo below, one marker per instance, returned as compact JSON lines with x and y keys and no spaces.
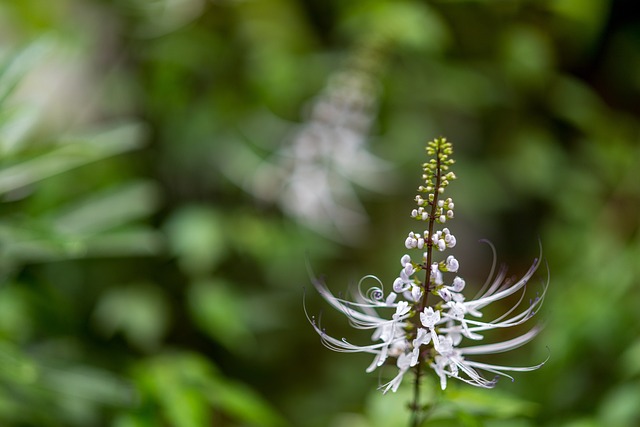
{"x":412,"y":332}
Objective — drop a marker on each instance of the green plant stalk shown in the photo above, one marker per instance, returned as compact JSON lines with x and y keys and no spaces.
{"x":416,"y":409}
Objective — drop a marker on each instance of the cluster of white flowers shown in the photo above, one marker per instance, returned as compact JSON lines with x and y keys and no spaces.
{"x":315,"y":174}
{"x":421,"y":332}
{"x":329,"y":153}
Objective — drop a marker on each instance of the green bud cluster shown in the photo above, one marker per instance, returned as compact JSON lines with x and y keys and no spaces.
{"x":436,"y":169}
{"x":436,"y":177}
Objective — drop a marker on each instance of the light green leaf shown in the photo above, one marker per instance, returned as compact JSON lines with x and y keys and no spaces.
{"x":15,"y":366}
{"x":407,"y":23}
{"x":140,"y":312}
{"x":492,"y":403}
{"x":620,"y":406}
{"x":196,"y":237}
{"x":218,"y":311}
{"x":16,"y":321}
{"x":244,"y":404}
{"x":88,"y":385}
{"x":14,"y":68}
{"x":32,"y":245}
{"x":71,"y":153}
{"x":108,"y":209}
{"x":185,"y":390}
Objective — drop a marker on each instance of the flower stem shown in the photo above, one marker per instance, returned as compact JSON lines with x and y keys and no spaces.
{"x":416,"y":411}
{"x":429,"y":243}
{"x":415,"y":406}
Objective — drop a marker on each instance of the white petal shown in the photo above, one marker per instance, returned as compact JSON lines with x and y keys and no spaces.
{"x":503,"y":346}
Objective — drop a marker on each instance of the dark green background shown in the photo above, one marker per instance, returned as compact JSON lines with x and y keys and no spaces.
{"x":143,"y":283}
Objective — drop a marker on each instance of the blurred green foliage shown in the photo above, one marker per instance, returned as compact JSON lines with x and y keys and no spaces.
{"x":148,"y":279}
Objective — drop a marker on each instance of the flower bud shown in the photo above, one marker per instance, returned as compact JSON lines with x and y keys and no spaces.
{"x":458,"y":284}
{"x":452,"y":264}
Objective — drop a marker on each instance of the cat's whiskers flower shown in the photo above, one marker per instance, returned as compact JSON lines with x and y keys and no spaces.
{"x":416,"y":332}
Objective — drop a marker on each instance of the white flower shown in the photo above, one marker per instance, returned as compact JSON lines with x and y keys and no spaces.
{"x":406,"y":259}
{"x":399,"y":285}
{"x":405,"y":282}
{"x":466,"y":370}
{"x":403,"y":363}
{"x":407,"y":329}
{"x":411,"y":241}
{"x":315,"y":174}
{"x":451,"y":360}
{"x":422,"y":337}
{"x":408,"y":270}
{"x":451,"y":264}
{"x":391,"y":298}
{"x":457,"y":310}
{"x":362,"y":314}
{"x":416,"y":293}
{"x":402,"y":308}
{"x":429,"y":317}
{"x":436,"y":274}
{"x":458,"y":285}
{"x":450,"y":240}
{"x":445,"y":294}
{"x":444,"y":330}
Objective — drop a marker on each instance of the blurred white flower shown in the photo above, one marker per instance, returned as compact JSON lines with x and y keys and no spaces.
{"x":314,"y":176}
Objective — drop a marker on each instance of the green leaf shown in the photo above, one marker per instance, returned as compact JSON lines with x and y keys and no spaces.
{"x":630,"y":365}
{"x":185,"y":390}
{"x":16,"y":322}
{"x":620,"y":406}
{"x":71,"y":152}
{"x":219,"y":311}
{"x":246,"y":405}
{"x":88,"y":385}
{"x":491,"y":403}
{"x":107,"y":209}
{"x":407,"y":23}
{"x":140,"y":312}
{"x":15,"y":366}
{"x":15,"y":67}
{"x":196,"y":238}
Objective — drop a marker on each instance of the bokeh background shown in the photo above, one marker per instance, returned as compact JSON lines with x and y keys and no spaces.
{"x":168,"y":168}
